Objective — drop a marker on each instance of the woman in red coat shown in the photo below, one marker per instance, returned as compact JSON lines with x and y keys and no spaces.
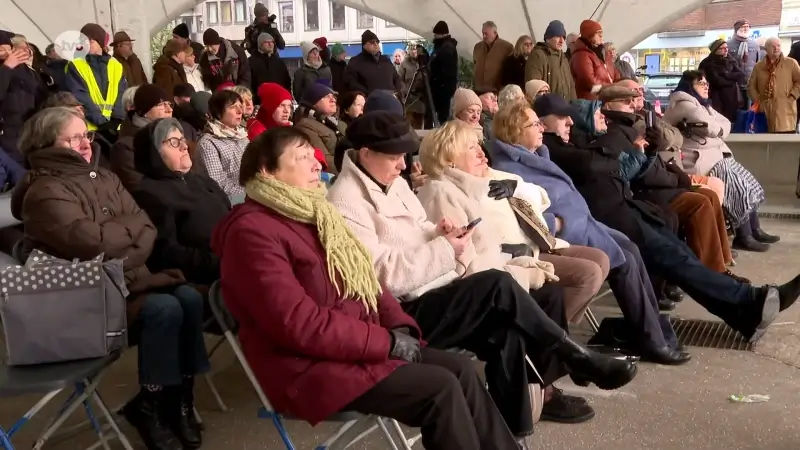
{"x":320,"y":332}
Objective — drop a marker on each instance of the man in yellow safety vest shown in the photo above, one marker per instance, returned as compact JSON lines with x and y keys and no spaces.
{"x":98,"y":82}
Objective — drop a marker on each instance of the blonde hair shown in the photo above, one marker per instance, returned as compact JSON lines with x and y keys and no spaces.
{"x":510,"y":94}
{"x":509,"y":122}
{"x":241,"y":90}
{"x":518,"y":45}
{"x":441,"y":146}
{"x":18,"y":40}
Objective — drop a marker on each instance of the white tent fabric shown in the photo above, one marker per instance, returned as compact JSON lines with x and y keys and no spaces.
{"x":625,"y":22}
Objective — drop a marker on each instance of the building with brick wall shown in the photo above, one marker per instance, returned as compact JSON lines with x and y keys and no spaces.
{"x":684,"y":43}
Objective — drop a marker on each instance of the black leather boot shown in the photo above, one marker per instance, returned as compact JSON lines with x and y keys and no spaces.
{"x":182,"y":420}
{"x":666,"y":355}
{"x":764,"y":237}
{"x":146,"y":414}
{"x":665,"y":304}
{"x":587,"y":366}
{"x":750,"y":244}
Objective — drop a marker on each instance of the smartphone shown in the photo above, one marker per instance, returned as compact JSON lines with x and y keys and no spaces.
{"x":470,"y":226}
{"x":649,"y":114}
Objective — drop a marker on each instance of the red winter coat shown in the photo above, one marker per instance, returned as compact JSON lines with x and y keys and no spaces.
{"x":312,"y":351}
{"x":589,"y":71}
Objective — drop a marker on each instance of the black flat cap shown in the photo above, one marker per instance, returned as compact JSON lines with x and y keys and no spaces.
{"x":384,"y":132}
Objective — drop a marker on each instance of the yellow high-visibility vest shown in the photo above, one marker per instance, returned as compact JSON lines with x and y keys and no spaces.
{"x":104,"y":102}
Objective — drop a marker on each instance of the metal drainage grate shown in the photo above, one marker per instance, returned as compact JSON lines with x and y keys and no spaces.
{"x":709,"y":334}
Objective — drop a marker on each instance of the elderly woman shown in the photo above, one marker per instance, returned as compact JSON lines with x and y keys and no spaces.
{"x":468,"y":108}
{"x":322,"y":334}
{"x":150,"y":103}
{"x":316,"y":117}
{"x":510,"y":94}
{"x":221,"y":146}
{"x":248,"y":107}
{"x":699,"y":211}
{"x":519,"y":150}
{"x":73,"y":209}
{"x":461,"y":186}
{"x":423,"y":264}
{"x":351,"y":105}
{"x":513,"y":67}
{"x":705,"y":153}
{"x":183,"y":205}
{"x":535,"y":89}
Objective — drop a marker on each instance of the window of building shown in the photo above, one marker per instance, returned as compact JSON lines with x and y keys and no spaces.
{"x":240,"y":11}
{"x":286,"y":16}
{"x":338,"y":14}
{"x":312,"y":15}
{"x":189,"y":22}
{"x":365,"y":20}
{"x":213,"y":13}
{"x":227,"y":12}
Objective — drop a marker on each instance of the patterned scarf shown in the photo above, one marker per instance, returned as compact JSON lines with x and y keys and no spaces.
{"x":772,"y":68}
{"x":223,"y":131}
{"x":345,"y":254}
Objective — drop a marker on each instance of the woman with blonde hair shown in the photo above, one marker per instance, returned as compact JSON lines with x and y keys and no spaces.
{"x":463,"y":187}
{"x":513,"y":69}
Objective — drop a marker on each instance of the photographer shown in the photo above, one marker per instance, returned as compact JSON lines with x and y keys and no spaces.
{"x":413,"y":94}
{"x":263,"y":23}
{"x":443,"y":72}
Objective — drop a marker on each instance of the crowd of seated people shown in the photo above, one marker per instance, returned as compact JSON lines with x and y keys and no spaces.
{"x":492,"y":234}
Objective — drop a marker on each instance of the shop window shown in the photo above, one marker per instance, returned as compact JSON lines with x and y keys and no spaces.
{"x":338,"y":21}
{"x":312,"y":15}
{"x":365,"y":20}
{"x":287,"y":16}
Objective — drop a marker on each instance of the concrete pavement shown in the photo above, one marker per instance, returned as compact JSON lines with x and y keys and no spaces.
{"x":664,"y":408}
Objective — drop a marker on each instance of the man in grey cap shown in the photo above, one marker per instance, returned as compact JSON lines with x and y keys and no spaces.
{"x":263,"y":23}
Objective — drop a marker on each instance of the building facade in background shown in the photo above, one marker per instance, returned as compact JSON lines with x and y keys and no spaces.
{"x":298,"y":21}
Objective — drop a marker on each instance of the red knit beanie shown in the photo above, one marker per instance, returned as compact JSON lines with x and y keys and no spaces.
{"x":321,"y":42}
{"x":589,"y":28}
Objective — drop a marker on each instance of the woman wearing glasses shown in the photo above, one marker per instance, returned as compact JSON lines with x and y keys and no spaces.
{"x":535,"y":89}
{"x":71,"y":208}
{"x":150,"y":102}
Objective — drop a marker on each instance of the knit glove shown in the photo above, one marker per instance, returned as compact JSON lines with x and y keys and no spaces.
{"x":404,"y":347}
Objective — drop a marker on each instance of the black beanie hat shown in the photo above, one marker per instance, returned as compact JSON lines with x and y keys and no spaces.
{"x":369,"y":36}
{"x":211,"y":37}
{"x":260,"y":10}
{"x":147,"y":96}
{"x":441,"y":28}
{"x":383,"y":132}
{"x":181,"y":31}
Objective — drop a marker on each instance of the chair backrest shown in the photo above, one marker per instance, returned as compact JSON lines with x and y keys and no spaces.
{"x":219,"y":310}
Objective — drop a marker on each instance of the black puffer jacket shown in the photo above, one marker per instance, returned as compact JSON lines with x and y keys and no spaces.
{"x":185,"y":208}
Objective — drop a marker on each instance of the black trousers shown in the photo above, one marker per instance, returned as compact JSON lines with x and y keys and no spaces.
{"x":732,"y":301}
{"x":445,"y":397}
{"x":490,"y":314}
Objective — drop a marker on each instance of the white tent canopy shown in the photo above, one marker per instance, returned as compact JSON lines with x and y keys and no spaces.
{"x":626,"y":22}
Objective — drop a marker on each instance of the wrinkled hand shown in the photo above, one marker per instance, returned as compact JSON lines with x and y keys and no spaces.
{"x":459,"y":239}
{"x":655,"y":140}
{"x":517,"y":250}
{"x":404,"y":347}
{"x":418,"y":178}
{"x":548,"y":269}
{"x":15,"y":58}
{"x":445,"y":226}
{"x":502,"y":189}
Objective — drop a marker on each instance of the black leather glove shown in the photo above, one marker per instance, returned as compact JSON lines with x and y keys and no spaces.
{"x":655,"y":140}
{"x":501,"y":189}
{"x":517,"y":250}
{"x":404,"y":346}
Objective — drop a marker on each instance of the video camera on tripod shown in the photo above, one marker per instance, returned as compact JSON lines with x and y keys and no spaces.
{"x":423,"y":69}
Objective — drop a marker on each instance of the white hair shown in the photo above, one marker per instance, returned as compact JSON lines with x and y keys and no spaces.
{"x":127,"y":97}
{"x":772,"y":40}
{"x":508,"y":95}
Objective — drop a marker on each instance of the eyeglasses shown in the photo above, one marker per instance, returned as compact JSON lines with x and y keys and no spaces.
{"x":176,"y":142}
{"x":702,"y":83}
{"x":165,"y":105}
{"x":535,"y":123}
{"x":76,"y":140}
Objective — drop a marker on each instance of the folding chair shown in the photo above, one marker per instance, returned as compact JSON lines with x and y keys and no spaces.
{"x":50,"y":379}
{"x":589,"y":315}
{"x":355,"y":426}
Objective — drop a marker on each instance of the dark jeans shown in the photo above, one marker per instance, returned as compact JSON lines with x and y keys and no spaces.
{"x":732,"y":301}
{"x":445,"y":397}
{"x":490,"y":314}
{"x":631,"y":286}
{"x":169,"y":332}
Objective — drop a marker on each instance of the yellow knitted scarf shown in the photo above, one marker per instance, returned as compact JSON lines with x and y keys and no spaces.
{"x":345,"y":254}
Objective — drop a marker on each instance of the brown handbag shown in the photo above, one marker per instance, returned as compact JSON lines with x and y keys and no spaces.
{"x":533,"y":227}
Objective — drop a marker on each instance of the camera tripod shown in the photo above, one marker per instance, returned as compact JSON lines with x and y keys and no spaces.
{"x":430,"y":110}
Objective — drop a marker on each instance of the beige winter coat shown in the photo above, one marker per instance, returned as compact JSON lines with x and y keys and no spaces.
{"x":781,"y":108}
{"x":489,"y":63}
{"x":463,"y":197}
{"x":707,"y":145}
{"x":410,"y":256}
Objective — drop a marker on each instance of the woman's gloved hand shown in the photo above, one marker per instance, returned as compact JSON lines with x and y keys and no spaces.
{"x":502,"y":189}
{"x":404,"y":346}
{"x":516,"y":250}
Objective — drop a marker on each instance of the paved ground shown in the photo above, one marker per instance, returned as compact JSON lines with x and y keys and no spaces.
{"x":662,"y":409}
